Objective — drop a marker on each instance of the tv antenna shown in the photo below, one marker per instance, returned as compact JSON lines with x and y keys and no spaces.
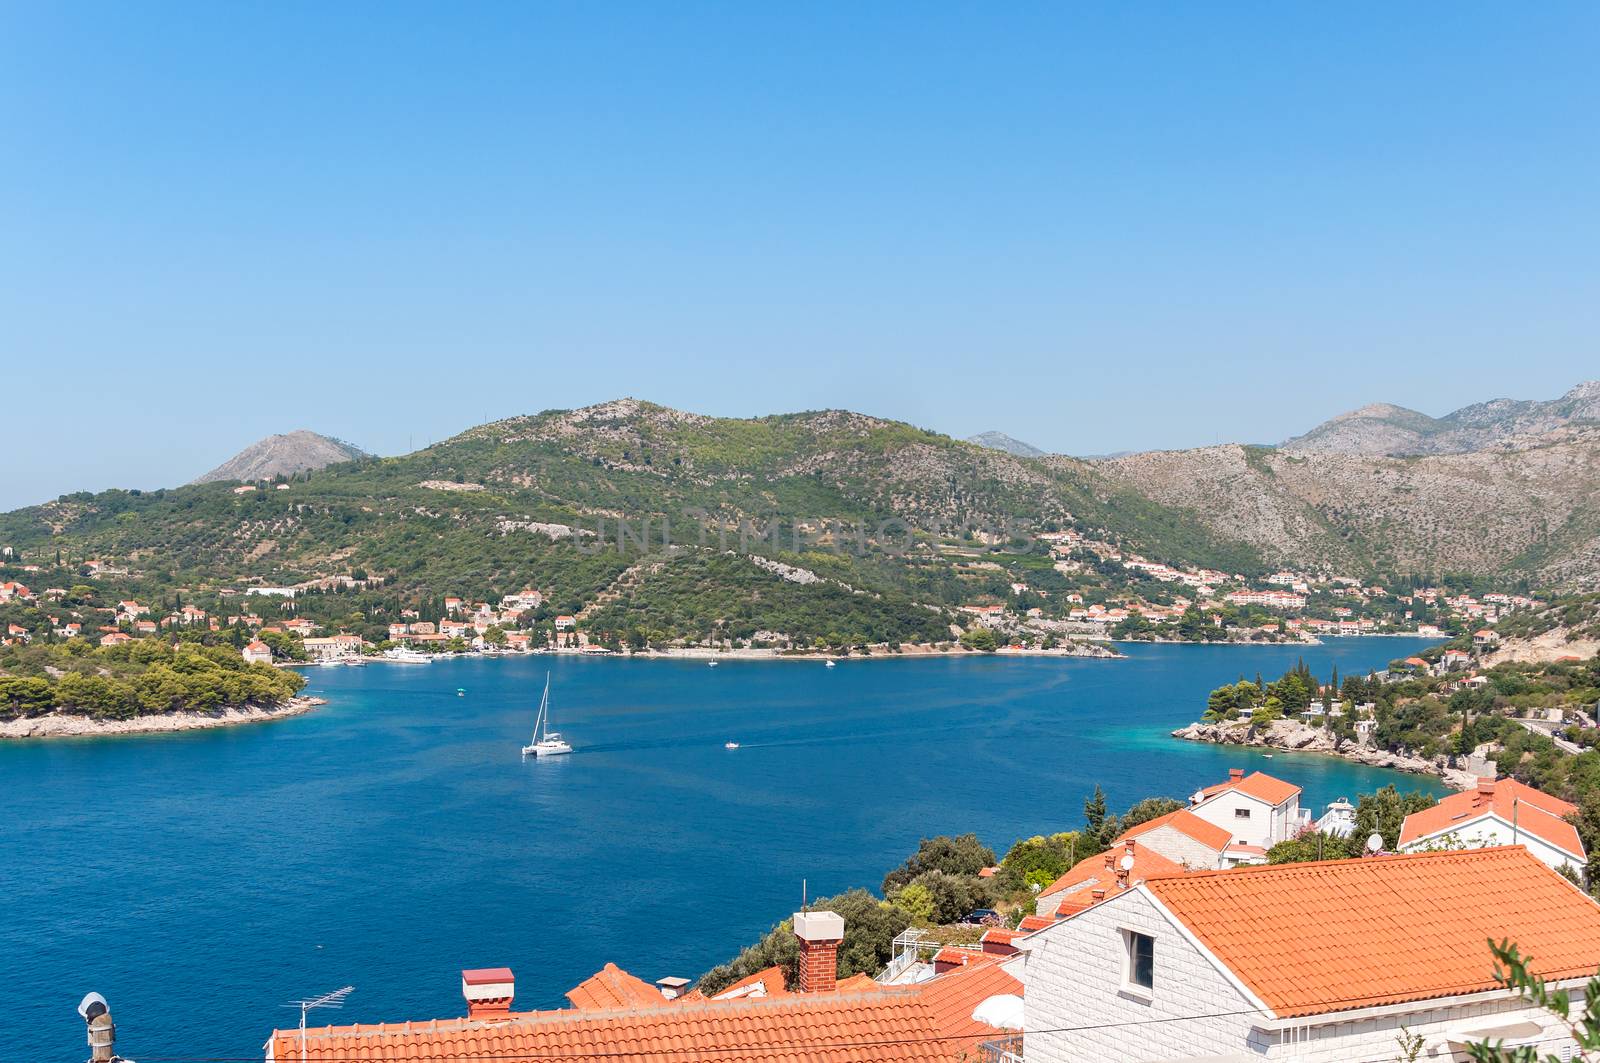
{"x":334,"y":999}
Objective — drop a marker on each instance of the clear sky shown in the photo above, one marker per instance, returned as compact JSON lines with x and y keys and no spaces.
{"x":1095,"y":226}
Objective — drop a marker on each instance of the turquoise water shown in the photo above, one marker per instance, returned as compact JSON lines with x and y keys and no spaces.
{"x":395,"y":836}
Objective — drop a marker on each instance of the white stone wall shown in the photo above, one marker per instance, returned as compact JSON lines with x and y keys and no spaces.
{"x":1256,"y":830}
{"x":1378,"y":1039}
{"x":1180,"y":848}
{"x":1073,"y":977}
{"x":1490,"y":831}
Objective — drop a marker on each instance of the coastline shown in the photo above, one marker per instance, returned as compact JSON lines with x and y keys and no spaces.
{"x":61,"y":725}
{"x":1291,"y":736}
{"x":1091,"y":651}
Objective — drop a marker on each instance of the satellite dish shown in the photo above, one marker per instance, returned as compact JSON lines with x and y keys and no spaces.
{"x":1126,"y":863}
{"x":92,"y":1006}
{"x":1375,"y":843}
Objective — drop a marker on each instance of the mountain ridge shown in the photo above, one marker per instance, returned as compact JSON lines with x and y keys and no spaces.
{"x":1384,"y":429}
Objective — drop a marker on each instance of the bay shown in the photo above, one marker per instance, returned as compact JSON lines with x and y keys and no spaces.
{"x":395,"y":836}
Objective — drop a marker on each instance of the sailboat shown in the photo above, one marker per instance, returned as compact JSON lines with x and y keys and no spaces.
{"x":546,"y":743}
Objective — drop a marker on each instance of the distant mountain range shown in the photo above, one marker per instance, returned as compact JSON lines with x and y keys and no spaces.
{"x":283,"y":455}
{"x":1506,"y":489}
{"x":1394,"y":430}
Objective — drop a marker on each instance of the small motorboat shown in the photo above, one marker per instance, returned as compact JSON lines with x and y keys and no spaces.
{"x":730,"y":745}
{"x":711,"y":664}
{"x":461,"y":692}
{"x":828,"y":663}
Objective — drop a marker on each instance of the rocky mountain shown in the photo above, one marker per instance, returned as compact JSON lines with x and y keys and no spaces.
{"x":1531,"y":509}
{"x":1001,"y":441}
{"x":1384,"y":429}
{"x":283,"y":455}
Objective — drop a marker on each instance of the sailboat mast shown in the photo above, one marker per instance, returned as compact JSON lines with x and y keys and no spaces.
{"x":541,"y":725}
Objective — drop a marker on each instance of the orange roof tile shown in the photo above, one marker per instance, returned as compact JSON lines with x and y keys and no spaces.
{"x":1531,"y":810}
{"x":1258,"y":785}
{"x":769,"y":979}
{"x":887,"y":1026}
{"x":612,"y":987}
{"x":1184,"y":822}
{"x":1030,"y":923}
{"x":1314,"y":938}
{"x":1091,"y":873}
{"x":954,"y":996}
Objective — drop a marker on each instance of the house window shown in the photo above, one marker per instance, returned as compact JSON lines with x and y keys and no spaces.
{"x":1241,"y":813}
{"x":1141,"y":969}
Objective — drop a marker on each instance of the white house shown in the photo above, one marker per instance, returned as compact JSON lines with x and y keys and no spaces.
{"x":1499,"y":813}
{"x":257,"y":652}
{"x":1298,"y":962}
{"x":1256,"y":810}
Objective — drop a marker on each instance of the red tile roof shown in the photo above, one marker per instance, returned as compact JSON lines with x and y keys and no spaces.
{"x":1314,"y":938}
{"x":1184,"y":822}
{"x":1258,"y":785}
{"x":1533,"y":811}
{"x":862,"y":1023}
{"x":1091,"y":873}
{"x":769,"y":979}
{"x":612,"y":987}
{"x":1030,"y":923}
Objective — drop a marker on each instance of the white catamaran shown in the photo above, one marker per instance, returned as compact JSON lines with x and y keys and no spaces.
{"x":546,"y":743}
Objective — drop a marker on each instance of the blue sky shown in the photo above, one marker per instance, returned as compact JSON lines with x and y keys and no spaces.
{"x":1097,"y":227}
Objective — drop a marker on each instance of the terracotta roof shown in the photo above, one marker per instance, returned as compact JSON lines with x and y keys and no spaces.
{"x":1090,"y":873}
{"x":1258,"y":785}
{"x":1184,"y":822}
{"x":612,"y":987}
{"x":1314,"y":938}
{"x":1030,"y":923}
{"x":769,"y":979}
{"x":1531,"y":810}
{"x":877,"y":1027}
{"x":954,"y":996}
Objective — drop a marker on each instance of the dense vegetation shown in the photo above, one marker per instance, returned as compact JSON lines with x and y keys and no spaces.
{"x":137,"y":678}
{"x":869,"y":506}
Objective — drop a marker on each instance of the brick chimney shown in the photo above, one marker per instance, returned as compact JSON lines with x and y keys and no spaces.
{"x":1485,"y":792}
{"x":488,"y":991}
{"x":819,"y":934}
{"x":1235,"y":774}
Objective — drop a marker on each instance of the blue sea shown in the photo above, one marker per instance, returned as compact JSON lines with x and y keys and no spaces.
{"x":394,"y":836}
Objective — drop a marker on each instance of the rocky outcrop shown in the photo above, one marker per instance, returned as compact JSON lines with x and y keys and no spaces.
{"x":1295,"y":737}
{"x":283,"y":455}
{"x":62,"y":725}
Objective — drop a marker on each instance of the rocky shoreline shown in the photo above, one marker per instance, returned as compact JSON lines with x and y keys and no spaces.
{"x":1291,"y":736}
{"x":62,"y":725}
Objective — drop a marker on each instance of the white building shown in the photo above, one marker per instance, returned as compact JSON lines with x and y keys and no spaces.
{"x":334,"y":647}
{"x":1297,"y":962}
{"x":1499,"y":813}
{"x":1256,"y":810}
{"x":257,"y":652}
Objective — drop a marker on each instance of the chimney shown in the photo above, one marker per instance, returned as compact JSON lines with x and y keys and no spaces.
{"x":1111,"y":862}
{"x":1485,"y":791}
{"x":102,"y":1032}
{"x":1235,"y":774}
{"x":672,"y":988}
{"x":819,"y":934}
{"x":488,"y":991}
{"x":1098,"y":895}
